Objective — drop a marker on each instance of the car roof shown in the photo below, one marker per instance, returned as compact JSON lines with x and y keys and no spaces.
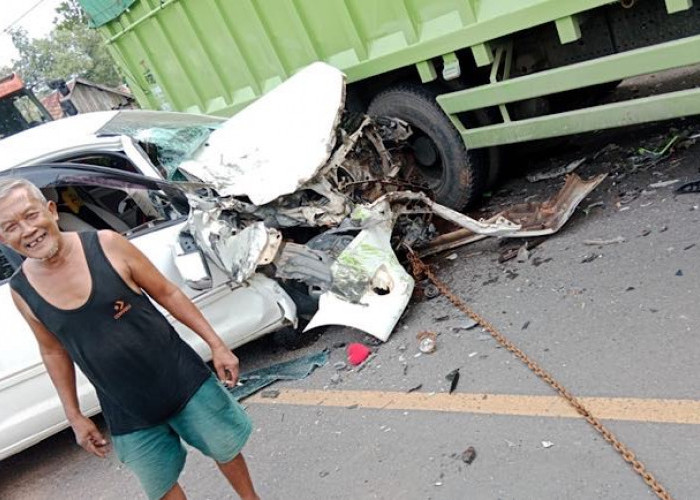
{"x":82,"y":130}
{"x":53,"y":136}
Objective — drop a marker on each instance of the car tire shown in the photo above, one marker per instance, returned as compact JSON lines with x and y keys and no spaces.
{"x":455,"y":176}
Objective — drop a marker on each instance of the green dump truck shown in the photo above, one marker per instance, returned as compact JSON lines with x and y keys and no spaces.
{"x":468,"y":75}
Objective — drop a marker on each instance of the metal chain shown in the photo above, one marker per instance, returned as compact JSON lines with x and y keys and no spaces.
{"x":420,"y":269}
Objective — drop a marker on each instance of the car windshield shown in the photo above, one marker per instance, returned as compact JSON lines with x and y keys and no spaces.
{"x":167,"y":138}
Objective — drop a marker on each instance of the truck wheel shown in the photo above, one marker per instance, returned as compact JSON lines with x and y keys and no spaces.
{"x":455,"y":177}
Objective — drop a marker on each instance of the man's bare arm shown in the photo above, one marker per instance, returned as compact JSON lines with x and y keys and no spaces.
{"x":146,"y":276}
{"x":62,"y":373}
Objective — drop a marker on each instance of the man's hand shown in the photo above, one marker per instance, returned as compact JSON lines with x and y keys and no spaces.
{"x":226,"y":365}
{"x":89,"y":437}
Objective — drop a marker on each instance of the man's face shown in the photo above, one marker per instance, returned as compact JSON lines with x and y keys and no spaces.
{"x":29,"y":226}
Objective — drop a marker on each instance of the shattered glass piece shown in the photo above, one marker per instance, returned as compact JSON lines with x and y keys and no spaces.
{"x":175,"y":136}
{"x":173,"y":146}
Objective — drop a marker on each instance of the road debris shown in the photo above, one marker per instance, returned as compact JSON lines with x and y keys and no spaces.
{"x":414,"y":388}
{"x":652,"y":157}
{"x":557,"y":172}
{"x":600,"y":243}
{"x":535,"y":218}
{"x":253,"y":381}
{"x":590,"y":258}
{"x":452,"y":256}
{"x":537,"y":261}
{"x":469,"y":455}
{"x":430,"y":291}
{"x":420,"y":269}
{"x":427,"y":342}
{"x":270,"y":394}
{"x":518,"y":252}
{"x":663,"y":184}
{"x":357,"y":353}
{"x":679,"y":272}
{"x":597,"y":204}
{"x":340,"y":365}
{"x":468,"y":324}
{"x":689,"y":187}
{"x":523,"y":255}
{"x":453,"y":379}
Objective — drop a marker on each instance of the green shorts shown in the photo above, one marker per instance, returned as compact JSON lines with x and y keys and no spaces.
{"x":212,"y":421}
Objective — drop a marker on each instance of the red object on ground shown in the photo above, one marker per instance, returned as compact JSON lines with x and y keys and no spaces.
{"x":357,"y":353}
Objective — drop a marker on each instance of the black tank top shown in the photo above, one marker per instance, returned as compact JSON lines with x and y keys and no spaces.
{"x":142,"y":370}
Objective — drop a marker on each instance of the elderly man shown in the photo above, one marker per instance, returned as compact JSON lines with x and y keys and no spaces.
{"x":83,"y":296}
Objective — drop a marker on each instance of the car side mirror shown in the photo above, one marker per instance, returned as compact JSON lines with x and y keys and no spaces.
{"x":191,"y":263}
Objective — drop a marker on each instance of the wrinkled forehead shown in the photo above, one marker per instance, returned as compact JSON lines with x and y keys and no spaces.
{"x":17,"y":200}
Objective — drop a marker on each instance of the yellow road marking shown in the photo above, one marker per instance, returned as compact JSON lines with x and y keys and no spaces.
{"x":671,"y":411}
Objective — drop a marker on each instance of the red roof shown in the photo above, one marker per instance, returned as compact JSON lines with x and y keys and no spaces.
{"x":10,"y":84}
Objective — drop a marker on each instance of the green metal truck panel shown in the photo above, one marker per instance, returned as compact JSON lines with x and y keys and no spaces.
{"x":215,"y":56}
{"x":485,"y":73}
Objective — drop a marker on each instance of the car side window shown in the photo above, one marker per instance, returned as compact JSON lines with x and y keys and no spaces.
{"x":126,"y":210}
{"x":109,"y":159}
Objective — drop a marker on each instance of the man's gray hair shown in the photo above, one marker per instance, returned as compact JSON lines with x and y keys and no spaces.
{"x":9,"y":185}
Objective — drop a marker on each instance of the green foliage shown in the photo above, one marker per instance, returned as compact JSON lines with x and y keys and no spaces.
{"x":71,"y":49}
{"x":70,"y":14}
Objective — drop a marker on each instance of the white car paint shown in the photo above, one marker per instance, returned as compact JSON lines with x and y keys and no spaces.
{"x":299,"y":117}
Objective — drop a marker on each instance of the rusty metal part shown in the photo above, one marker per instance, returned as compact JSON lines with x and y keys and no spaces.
{"x":420,"y":269}
{"x":535,"y":218}
{"x":547,"y":217}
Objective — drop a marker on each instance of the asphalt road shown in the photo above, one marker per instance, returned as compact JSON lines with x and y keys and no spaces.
{"x":615,"y":322}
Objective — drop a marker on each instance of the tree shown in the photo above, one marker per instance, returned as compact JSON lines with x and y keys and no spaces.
{"x":70,"y":14}
{"x":70,"y":50}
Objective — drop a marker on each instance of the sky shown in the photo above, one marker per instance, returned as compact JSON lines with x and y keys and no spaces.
{"x":38,"y":22}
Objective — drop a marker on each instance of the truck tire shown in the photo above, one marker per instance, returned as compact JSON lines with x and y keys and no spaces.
{"x":455,"y":176}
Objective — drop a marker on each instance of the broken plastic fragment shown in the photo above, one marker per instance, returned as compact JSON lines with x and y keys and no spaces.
{"x":357,"y":353}
{"x":370,"y":289}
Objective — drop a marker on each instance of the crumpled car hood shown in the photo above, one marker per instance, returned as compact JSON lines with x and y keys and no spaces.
{"x":279,"y":142}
